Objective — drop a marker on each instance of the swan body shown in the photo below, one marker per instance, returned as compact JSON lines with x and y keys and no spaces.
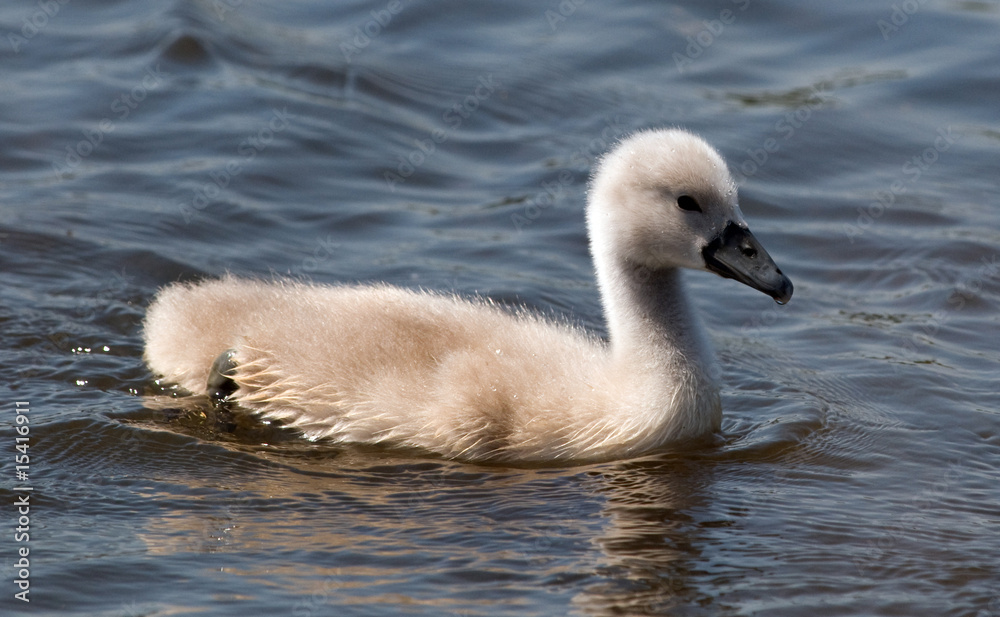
{"x":467,"y":379}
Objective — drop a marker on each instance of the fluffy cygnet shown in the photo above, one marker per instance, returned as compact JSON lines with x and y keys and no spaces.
{"x":467,"y":379}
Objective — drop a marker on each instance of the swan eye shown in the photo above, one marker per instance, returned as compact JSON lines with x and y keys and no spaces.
{"x":686,"y":202}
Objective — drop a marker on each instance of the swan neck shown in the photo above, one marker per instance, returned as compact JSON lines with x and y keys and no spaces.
{"x":650,"y":321}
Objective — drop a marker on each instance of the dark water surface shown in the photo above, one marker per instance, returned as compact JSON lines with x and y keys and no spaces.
{"x":147,"y":142}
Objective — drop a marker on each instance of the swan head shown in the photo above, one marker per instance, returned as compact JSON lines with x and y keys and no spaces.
{"x":664,"y":199}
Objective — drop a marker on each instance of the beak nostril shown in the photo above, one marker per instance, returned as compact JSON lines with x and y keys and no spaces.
{"x":736,"y":254}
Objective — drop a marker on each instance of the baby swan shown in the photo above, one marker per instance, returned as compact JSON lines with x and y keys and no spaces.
{"x":467,"y":379}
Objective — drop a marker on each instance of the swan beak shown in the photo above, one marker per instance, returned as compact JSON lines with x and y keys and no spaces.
{"x":737,"y":254}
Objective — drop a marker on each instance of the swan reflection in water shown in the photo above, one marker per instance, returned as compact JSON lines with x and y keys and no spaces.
{"x":614,"y":538}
